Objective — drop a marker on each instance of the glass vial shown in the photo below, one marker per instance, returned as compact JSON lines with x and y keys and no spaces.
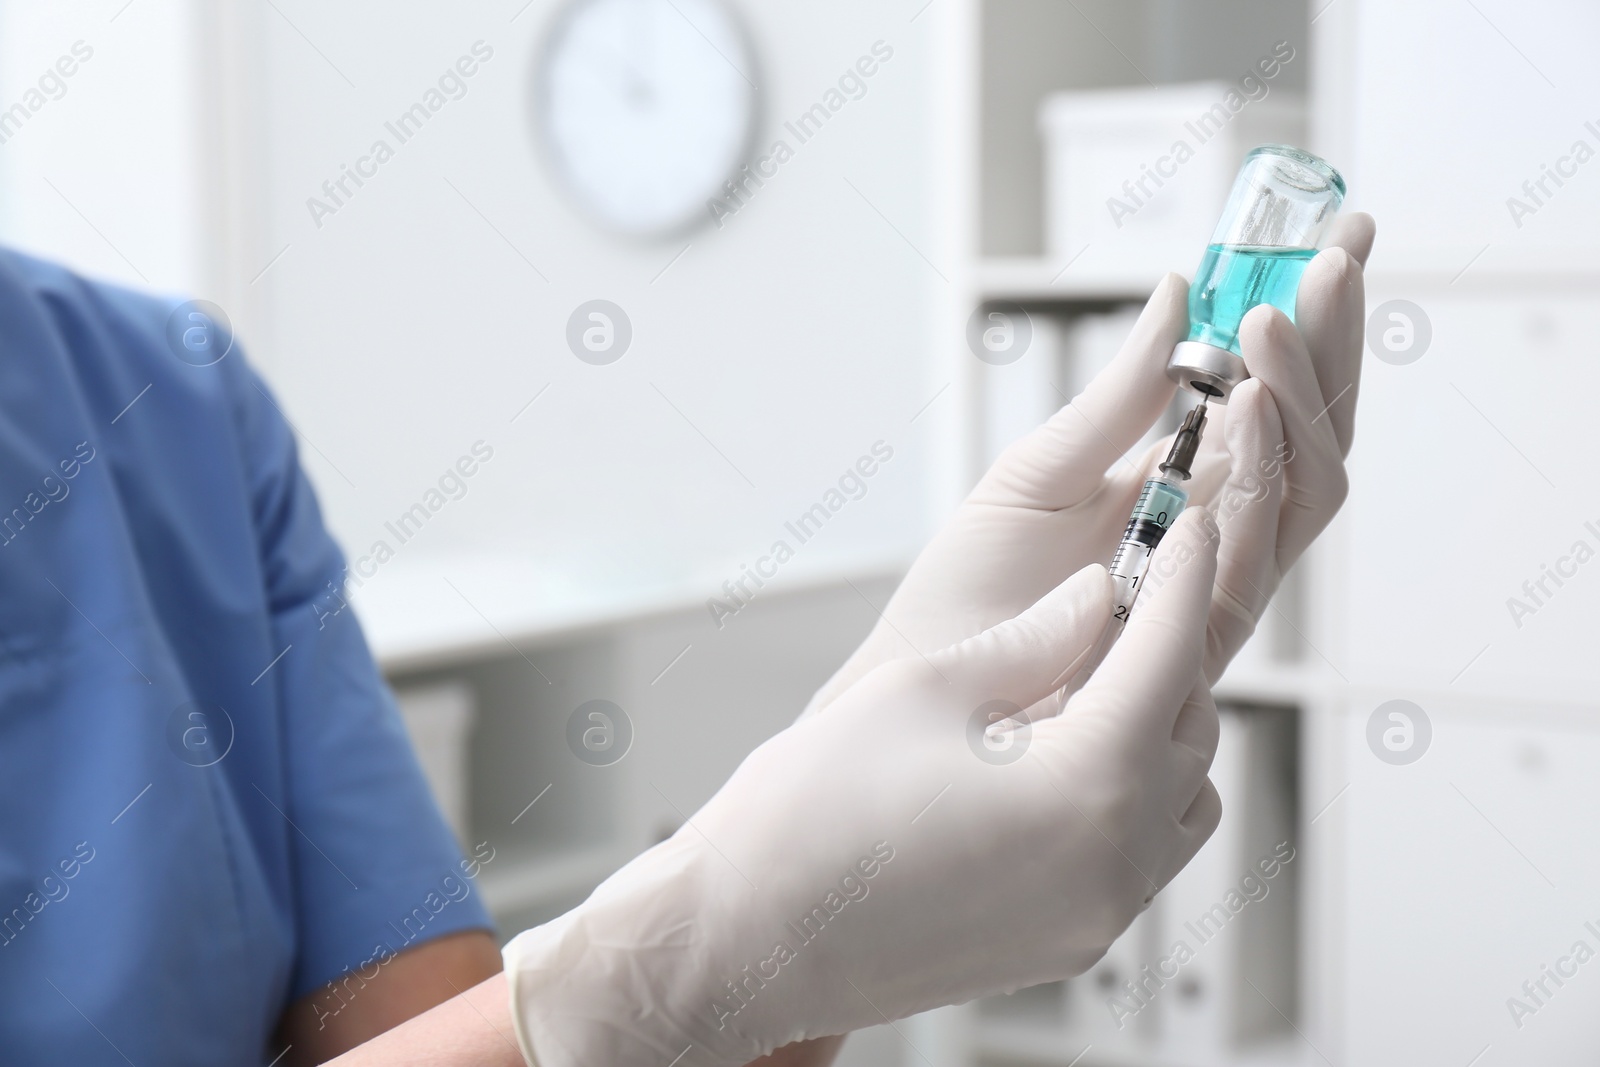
{"x":1282,"y":201}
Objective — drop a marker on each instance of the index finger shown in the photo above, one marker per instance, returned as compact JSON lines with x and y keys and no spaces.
{"x":1330,"y":312}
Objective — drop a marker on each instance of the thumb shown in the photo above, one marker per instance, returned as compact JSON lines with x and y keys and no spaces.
{"x":1025,"y":659}
{"x":1063,"y":461}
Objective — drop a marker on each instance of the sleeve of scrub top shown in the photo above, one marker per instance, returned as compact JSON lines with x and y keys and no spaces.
{"x":376,"y":870}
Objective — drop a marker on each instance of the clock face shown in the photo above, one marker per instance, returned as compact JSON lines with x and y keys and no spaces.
{"x":647,"y":108}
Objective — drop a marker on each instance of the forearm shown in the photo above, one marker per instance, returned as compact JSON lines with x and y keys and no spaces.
{"x":474,"y":1029}
{"x":471,"y":1029}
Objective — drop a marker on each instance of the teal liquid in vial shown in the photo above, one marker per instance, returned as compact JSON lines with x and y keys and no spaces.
{"x":1232,"y":279}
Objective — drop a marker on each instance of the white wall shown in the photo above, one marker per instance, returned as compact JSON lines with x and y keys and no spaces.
{"x":405,"y":328}
{"x":104,"y":175}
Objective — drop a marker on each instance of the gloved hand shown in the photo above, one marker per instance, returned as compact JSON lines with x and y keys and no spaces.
{"x":1273,"y":472}
{"x":863,"y":866}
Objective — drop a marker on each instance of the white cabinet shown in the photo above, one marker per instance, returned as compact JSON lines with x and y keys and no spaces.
{"x":1460,"y":572}
{"x":1466,"y":874}
{"x":1469,"y":484}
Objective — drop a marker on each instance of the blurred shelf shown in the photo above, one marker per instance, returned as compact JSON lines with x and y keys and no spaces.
{"x":524,"y":884}
{"x":433,"y":611}
{"x":1035,"y":280}
{"x":1271,"y":683}
{"x":446,"y":609}
{"x":1033,"y":1043}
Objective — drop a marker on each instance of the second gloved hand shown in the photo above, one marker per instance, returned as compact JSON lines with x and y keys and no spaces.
{"x":863,"y":866}
{"x":1272,"y":469}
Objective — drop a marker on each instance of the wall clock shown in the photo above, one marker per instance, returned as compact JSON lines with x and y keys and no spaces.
{"x":646,"y":108}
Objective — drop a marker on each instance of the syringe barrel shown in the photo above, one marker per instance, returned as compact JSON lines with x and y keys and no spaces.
{"x":1160,"y":503}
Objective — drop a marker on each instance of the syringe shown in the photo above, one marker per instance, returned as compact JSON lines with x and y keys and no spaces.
{"x":1161,"y":501}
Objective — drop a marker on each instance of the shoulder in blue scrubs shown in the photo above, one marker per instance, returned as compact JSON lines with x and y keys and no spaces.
{"x":210,"y":808}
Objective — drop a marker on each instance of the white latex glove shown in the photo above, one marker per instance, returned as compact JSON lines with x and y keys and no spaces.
{"x":1271,"y":468}
{"x":930,"y":875}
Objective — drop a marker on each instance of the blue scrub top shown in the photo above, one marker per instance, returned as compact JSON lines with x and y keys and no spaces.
{"x":208,"y":805}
